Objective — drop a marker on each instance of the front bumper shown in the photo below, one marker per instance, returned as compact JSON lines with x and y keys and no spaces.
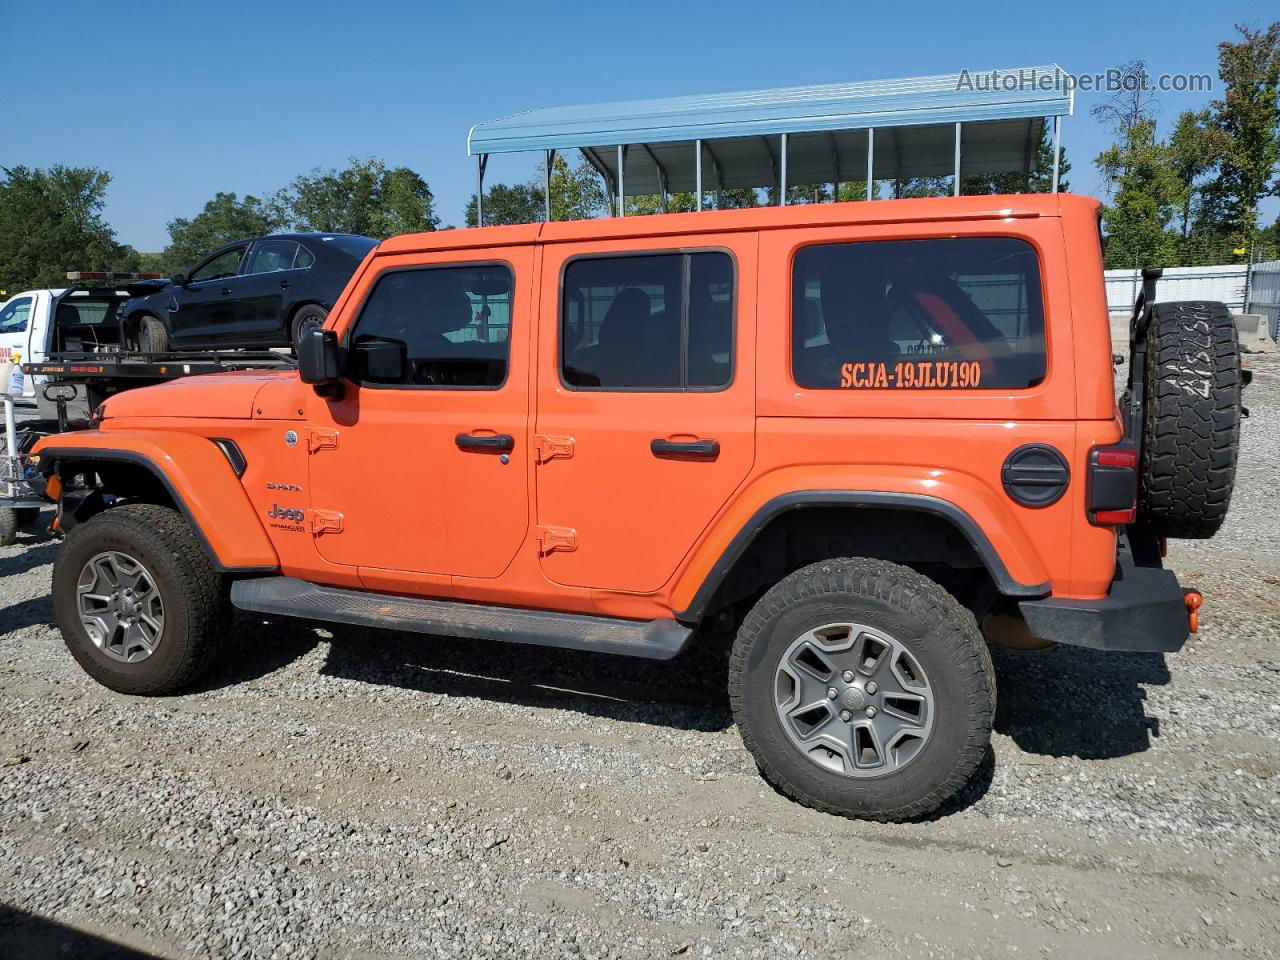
{"x":1145,"y":610}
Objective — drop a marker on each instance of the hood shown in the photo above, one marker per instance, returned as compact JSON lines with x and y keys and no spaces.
{"x":215,"y":396}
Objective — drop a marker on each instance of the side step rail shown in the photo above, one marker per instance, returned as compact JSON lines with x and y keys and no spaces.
{"x":290,"y":597}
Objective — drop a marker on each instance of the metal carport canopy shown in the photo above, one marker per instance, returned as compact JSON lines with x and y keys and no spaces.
{"x":914,"y":119}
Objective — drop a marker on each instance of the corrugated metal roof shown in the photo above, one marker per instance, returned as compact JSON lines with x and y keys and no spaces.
{"x":1017,"y":93}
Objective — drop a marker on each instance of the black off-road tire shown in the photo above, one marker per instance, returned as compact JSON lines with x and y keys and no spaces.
{"x":1191,"y":431}
{"x":8,"y":526}
{"x":194,"y":595}
{"x":311,"y":315}
{"x":152,"y":335}
{"x":939,"y":632}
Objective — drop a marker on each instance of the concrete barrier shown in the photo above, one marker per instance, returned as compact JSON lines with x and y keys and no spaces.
{"x":1251,"y":328}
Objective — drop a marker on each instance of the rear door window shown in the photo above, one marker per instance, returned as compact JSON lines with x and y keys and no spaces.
{"x":956,"y":313}
{"x":271,"y":256}
{"x":648,"y":322}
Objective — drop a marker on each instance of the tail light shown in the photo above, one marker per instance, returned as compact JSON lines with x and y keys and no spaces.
{"x":1112,"y":493}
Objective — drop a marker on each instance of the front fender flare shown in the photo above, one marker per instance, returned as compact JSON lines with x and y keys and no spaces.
{"x":198,"y":478}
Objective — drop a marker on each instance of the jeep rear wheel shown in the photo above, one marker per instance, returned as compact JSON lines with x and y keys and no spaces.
{"x":137,"y":600}
{"x":864,"y":689}
{"x":1191,"y":425}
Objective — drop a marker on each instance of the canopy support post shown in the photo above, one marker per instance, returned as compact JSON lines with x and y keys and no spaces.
{"x":697,"y":174}
{"x":546,"y":195}
{"x":482,"y":161}
{"x":599,"y":167}
{"x":622,"y":181}
{"x":1057,"y":150}
{"x":835,"y":161}
{"x":663,"y":183}
{"x":782,"y":175}
{"x":955,"y":191}
{"x":871,"y":153}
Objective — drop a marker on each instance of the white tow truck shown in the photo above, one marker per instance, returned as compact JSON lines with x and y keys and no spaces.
{"x":79,"y":318}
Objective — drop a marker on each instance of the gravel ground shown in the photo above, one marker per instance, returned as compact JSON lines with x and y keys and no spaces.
{"x":379,"y":795}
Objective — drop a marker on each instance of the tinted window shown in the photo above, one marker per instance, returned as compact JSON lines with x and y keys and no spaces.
{"x":959,"y":313}
{"x":351,"y":245}
{"x":225,"y":264}
{"x":453,"y":325}
{"x":304,"y":259}
{"x":270,"y":256}
{"x":627,"y":323}
{"x":13,"y":318}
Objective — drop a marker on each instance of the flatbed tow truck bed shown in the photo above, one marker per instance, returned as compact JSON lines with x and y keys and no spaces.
{"x":75,"y":383}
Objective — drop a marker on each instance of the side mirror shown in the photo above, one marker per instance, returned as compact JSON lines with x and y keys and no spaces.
{"x":317,"y":352}
{"x":180,"y":279}
{"x":379,"y":360}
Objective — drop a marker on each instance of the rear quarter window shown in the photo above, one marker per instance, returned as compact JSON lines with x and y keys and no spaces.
{"x":955,"y":313}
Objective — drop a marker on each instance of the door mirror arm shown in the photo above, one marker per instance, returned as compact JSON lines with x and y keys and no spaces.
{"x":180,"y":279}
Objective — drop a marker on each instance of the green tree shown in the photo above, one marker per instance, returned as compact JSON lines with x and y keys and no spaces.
{"x":1146,"y":194}
{"x":508,"y":203}
{"x":576,"y":192}
{"x":366,"y":198}
{"x":51,"y":222}
{"x":1248,"y":114}
{"x":224,"y":219}
{"x":1195,"y":148}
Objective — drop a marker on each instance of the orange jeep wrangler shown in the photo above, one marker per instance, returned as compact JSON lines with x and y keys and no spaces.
{"x":854,"y":436}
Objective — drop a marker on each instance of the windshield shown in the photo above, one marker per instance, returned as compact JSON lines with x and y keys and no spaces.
{"x":13,"y":318}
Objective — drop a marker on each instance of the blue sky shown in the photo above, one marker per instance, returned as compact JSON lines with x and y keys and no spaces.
{"x":179,"y":101}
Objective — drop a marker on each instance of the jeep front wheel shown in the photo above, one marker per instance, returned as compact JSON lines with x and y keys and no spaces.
{"x":864,"y":689}
{"x":137,"y":600}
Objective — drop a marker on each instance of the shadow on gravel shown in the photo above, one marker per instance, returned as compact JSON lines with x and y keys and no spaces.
{"x":257,"y":646}
{"x":688,"y":692}
{"x":40,"y":551}
{"x":1075,"y":702}
{"x":25,"y":934}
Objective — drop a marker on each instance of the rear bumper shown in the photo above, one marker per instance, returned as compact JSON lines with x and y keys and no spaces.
{"x":1145,"y":610}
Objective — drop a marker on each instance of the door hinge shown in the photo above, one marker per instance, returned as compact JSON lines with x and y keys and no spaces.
{"x":318,"y":440}
{"x":551,"y":539}
{"x":325,"y":521}
{"x":551,"y":447}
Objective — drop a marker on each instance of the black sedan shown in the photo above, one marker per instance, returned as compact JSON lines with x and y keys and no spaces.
{"x":252,"y":293}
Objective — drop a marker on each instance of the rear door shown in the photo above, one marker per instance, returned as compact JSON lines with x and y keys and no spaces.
{"x":260,"y":290}
{"x":646,"y":411}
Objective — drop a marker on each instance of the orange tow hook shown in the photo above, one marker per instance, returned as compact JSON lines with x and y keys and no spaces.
{"x":1193,"y":600}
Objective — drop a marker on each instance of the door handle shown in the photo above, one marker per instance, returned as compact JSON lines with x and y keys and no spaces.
{"x":284,"y":284}
{"x":709,"y":449}
{"x":226,"y":291}
{"x":501,"y":443}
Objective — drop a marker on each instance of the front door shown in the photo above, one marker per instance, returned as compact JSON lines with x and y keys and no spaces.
{"x":205,"y":307}
{"x":425,"y":458}
{"x":646,"y":412}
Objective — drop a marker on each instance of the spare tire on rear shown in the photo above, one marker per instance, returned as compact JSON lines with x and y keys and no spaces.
{"x":1191,"y":424}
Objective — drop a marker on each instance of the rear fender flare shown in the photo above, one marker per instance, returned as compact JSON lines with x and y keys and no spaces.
{"x":197,"y":477}
{"x":1016,"y":571}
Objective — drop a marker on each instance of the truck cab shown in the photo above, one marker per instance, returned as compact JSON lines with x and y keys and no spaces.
{"x":83,"y":317}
